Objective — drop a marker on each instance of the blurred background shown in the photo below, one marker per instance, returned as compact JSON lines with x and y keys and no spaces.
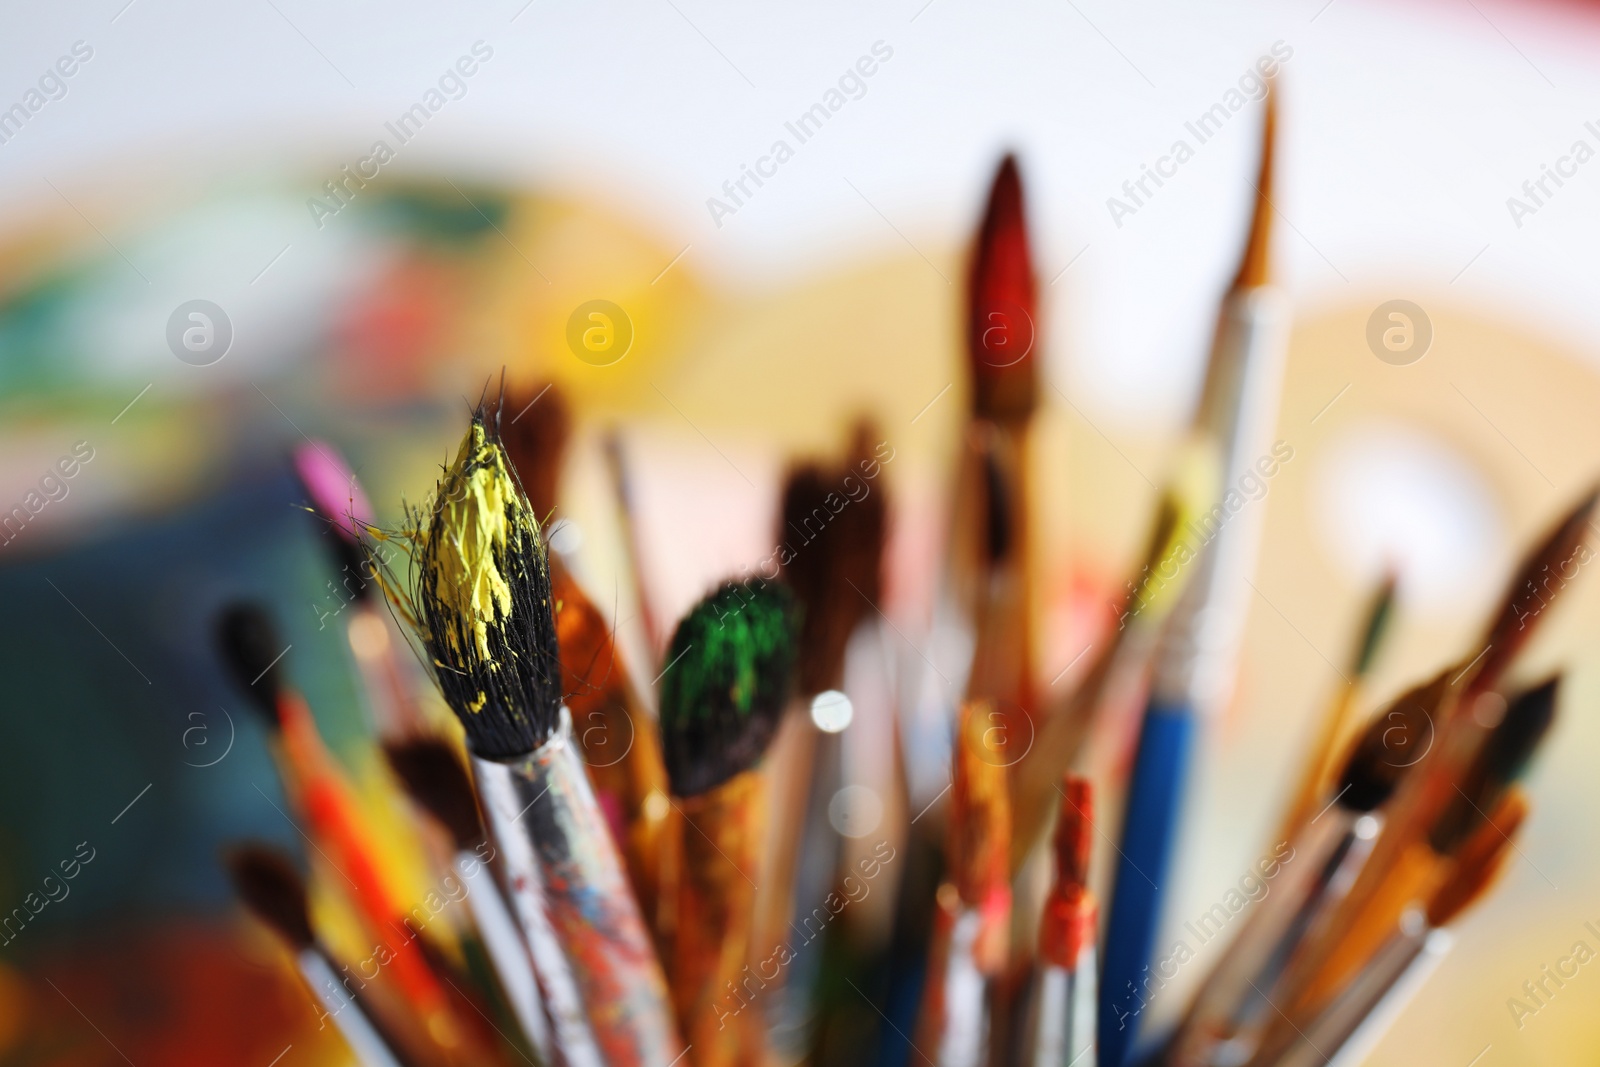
{"x":225,"y":161}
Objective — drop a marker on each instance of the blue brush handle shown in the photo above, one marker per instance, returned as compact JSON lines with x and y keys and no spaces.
{"x":1149,"y":828}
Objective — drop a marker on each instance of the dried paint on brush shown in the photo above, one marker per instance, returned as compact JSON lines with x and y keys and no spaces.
{"x":727,"y":676}
{"x":479,"y":600}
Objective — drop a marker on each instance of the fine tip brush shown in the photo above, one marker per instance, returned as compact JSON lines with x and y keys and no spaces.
{"x":273,"y":891}
{"x":1195,"y":658}
{"x":480,"y":602}
{"x":437,"y":780}
{"x":728,"y":676}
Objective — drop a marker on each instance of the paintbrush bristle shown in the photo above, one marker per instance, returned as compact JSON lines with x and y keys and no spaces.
{"x":270,"y":886}
{"x":338,"y":500}
{"x":1378,"y":616}
{"x":436,"y":779}
{"x":253,"y":650}
{"x":1545,"y":571}
{"x":1480,"y":860}
{"x":536,"y":440}
{"x":481,"y":601}
{"x":837,"y":539}
{"x":1396,"y":740}
{"x":1074,"y":838}
{"x":728,"y":672}
{"x":1255,"y":267}
{"x":1002,"y":316}
{"x":1502,"y":760}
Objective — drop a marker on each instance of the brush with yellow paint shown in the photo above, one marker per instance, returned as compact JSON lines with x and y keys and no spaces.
{"x":480,"y":602}
{"x":727,"y":677}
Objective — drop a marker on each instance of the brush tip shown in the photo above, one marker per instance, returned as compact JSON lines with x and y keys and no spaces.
{"x":727,"y":677}
{"x":438,"y":781}
{"x":253,"y":650}
{"x":272,"y":889}
{"x":536,"y":436}
{"x":1396,"y":740}
{"x":1002,"y":304}
{"x":1255,"y":267}
{"x":334,"y":492}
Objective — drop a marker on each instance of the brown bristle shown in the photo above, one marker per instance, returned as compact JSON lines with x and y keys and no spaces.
{"x":1544,"y":573}
{"x":1074,"y":834}
{"x":535,"y":430}
{"x":588,"y":656}
{"x":980,"y":811}
{"x":1255,"y":268}
{"x":436,"y":779}
{"x":1479,"y":860}
{"x":1397,"y":739}
{"x":1002,"y":313}
{"x":270,"y":886}
{"x":833,"y":527}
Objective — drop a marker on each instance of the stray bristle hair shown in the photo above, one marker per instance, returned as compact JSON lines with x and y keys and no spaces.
{"x":1396,"y":740}
{"x":1542,"y":576}
{"x":536,"y":440}
{"x":1002,"y":319}
{"x":1501,"y":761}
{"x":837,"y":548}
{"x":481,"y":601}
{"x":726,"y":678}
{"x":253,"y":650}
{"x":1255,"y":267}
{"x":1074,"y":837}
{"x":437,"y":780}
{"x":270,"y":886}
{"x":1479,"y":861}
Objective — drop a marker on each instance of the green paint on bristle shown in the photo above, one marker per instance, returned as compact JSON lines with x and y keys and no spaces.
{"x":729,"y":670}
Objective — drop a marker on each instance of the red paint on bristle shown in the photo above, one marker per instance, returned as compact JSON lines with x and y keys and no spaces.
{"x":1002,"y":319}
{"x":1068,"y":924}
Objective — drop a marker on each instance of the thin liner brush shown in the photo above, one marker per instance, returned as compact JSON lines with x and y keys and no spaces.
{"x":1061,"y":1031}
{"x":1195,"y":659}
{"x":1344,"y":1033}
{"x":272,"y":890}
{"x":729,"y":671}
{"x":1323,"y":858}
{"x":970,"y":946}
{"x":436,"y":779}
{"x":481,"y":606}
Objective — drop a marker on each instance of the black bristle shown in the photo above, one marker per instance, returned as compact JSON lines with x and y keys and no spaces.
{"x":1397,"y":739}
{"x":270,"y":886}
{"x":436,"y":779}
{"x":833,"y":521}
{"x":253,"y":650}
{"x":506,"y":692}
{"x":728,"y":674}
{"x":1502,"y":760}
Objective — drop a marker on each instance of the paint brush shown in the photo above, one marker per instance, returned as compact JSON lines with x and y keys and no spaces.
{"x":273,"y":891}
{"x":337,"y":498}
{"x":254,"y":653}
{"x":1195,"y":659}
{"x":970,"y":946}
{"x":480,"y":602}
{"x":535,"y":440}
{"x":1335,"y":725}
{"x":627,"y":501}
{"x":832,"y":525}
{"x":1344,"y":1033}
{"x":1321,"y":860}
{"x":728,"y":674}
{"x":437,"y":780}
{"x":1061,"y":1031}
{"x":1458,"y":736}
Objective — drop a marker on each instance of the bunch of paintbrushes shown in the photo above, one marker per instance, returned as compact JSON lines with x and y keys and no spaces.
{"x":660,"y":874}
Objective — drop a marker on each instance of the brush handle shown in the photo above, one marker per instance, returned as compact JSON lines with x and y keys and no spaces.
{"x":507,"y":954}
{"x":355,"y":1026}
{"x":570,"y":886}
{"x":1148,"y":832}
